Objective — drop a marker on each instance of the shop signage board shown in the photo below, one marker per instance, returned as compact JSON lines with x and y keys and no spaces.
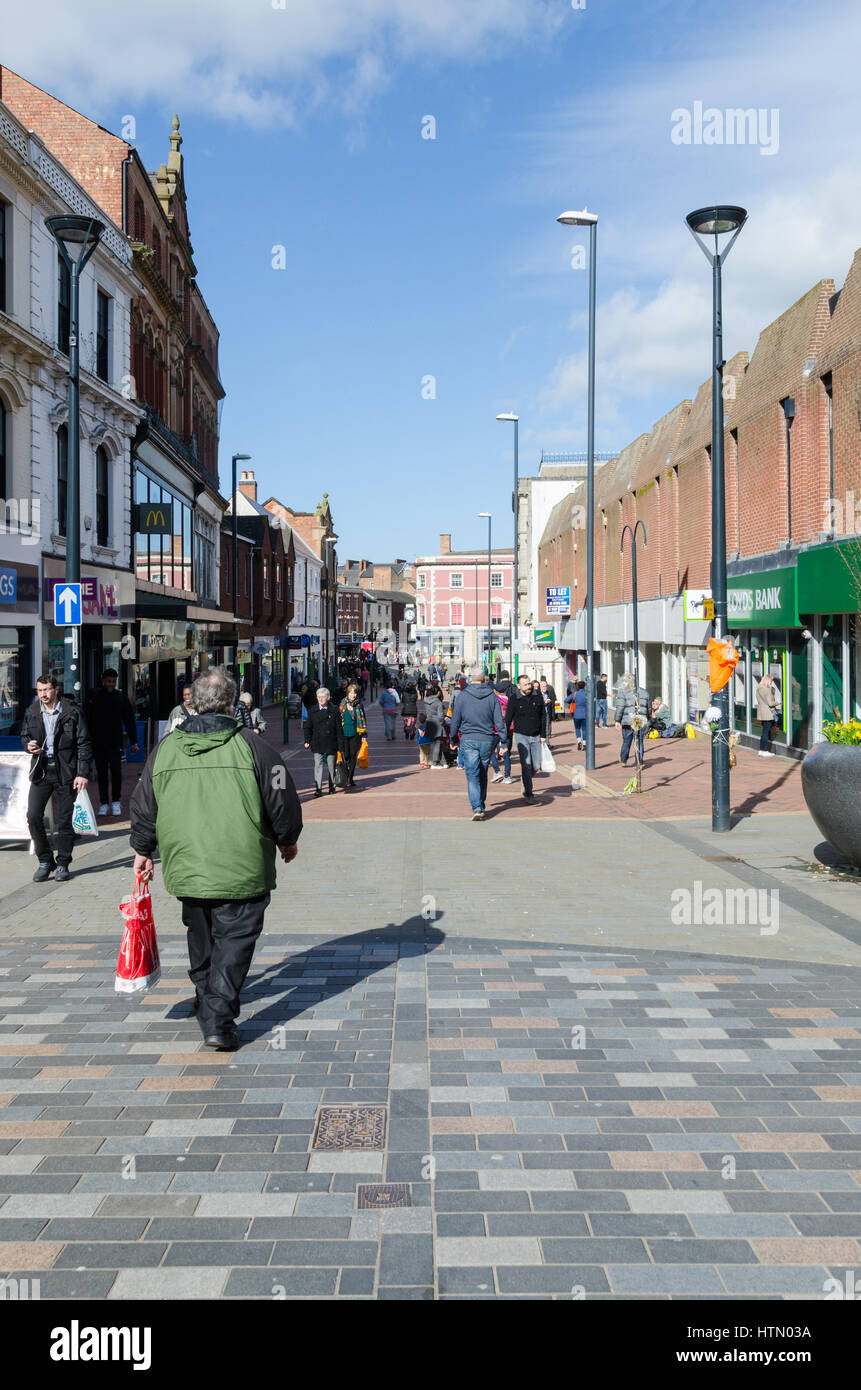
{"x":14,"y":791}
{"x":699,"y":606}
{"x":153,"y":518}
{"x":764,"y":600}
{"x":8,"y":585}
{"x":544,"y":636}
{"x":105,"y":597}
{"x":558,"y":601}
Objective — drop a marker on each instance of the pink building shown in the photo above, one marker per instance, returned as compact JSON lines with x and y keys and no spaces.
{"x":451,"y":604}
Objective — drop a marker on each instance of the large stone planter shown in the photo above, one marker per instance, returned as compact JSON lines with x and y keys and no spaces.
{"x":831,"y":782}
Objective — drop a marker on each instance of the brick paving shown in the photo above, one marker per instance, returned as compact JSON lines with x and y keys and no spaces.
{"x":565,"y":1122}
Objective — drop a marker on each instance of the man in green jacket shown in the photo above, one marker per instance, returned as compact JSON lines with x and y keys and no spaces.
{"x":216,"y":801}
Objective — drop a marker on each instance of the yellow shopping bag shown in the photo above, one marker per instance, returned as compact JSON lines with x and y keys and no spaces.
{"x":362,"y":759}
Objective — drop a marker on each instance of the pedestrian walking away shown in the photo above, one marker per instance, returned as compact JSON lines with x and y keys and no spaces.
{"x":548,"y":694}
{"x":767,"y":707}
{"x":601,"y":701}
{"x":477,"y":719}
{"x":629,"y":703}
{"x":409,"y":710}
{"x":321,"y":736}
{"x":578,"y":710}
{"x":216,"y":802}
{"x":526,"y":719}
{"x":54,"y":731}
{"x":432,"y":714}
{"x":242,"y":712}
{"x":110,"y":719}
{"x":505,"y":691}
{"x":353,"y":728}
{"x":389,"y":702}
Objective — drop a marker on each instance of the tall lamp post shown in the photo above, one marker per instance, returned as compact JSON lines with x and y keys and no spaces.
{"x":489,"y":516}
{"x":590,"y":220}
{"x":77,"y":239}
{"x":234,"y":544}
{"x":633,"y":530}
{"x":330,"y":661}
{"x":515,"y":614}
{"x":716,"y":222}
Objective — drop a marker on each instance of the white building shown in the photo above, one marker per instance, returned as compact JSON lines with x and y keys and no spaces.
{"x":306,"y":631}
{"x":34,"y":424}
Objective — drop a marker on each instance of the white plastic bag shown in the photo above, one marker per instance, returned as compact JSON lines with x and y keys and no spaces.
{"x":548,"y":762}
{"x":84,"y":817}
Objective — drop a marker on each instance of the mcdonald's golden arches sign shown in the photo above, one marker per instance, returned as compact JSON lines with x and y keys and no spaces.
{"x":153,"y":518}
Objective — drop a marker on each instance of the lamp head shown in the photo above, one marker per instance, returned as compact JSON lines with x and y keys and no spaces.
{"x":484,"y":513}
{"x":244,"y":457}
{"x":714,"y":221}
{"x":77,"y":237}
{"x":508,"y":416}
{"x":578,"y":219}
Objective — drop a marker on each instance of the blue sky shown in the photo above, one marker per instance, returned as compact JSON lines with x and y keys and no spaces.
{"x":408,"y":257}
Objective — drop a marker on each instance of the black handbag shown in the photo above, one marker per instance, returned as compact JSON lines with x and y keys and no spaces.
{"x":340,"y":773}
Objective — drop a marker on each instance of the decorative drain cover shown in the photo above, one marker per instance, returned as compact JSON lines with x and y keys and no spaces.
{"x":351,"y":1127}
{"x":373,"y":1195}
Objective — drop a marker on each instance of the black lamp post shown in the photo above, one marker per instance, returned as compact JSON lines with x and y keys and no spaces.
{"x":717,"y":222}
{"x":634,"y":531}
{"x":77,"y":238}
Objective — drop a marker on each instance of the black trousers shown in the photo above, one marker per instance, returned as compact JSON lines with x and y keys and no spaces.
{"x":221,"y":940}
{"x":64,"y":803}
{"x":112,"y":758}
{"x":352,"y":745}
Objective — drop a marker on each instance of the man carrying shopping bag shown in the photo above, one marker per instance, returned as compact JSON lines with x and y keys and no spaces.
{"x":216,"y":800}
{"x":54,"y":731}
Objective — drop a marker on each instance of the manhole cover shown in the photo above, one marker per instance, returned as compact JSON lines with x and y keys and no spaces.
{"x":351,"y":1127}
{"x":373,"y":1195}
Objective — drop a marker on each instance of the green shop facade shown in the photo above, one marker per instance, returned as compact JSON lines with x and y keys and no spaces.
{"x":798,"y":622}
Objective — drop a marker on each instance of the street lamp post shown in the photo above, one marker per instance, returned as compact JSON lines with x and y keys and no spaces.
{"x":633,"y":532}
{"x":717,"y":221}
{"x":489,"y":516}
{"x":330,"y":540}
{"x":77,"y":239}
{"x":590,"y":220}
{"x":514,"y":626}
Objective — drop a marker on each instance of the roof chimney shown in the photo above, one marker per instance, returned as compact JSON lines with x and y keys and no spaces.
{"x":248,"y":484}
{"x":445,"y":543}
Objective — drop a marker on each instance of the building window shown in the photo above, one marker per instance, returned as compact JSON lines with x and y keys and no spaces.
{"x":64,"y":303}
{"x":278,"y":582}
{"x":456,"y":580}
{"x":421,"y":615}
{"x":3,"y":257}
{"x":248,"y":574}
{"x":265,"y":578}
{"x":226,"y":566}
{"x":423,"y":579}
{"x":495,"y":580}
{"x":103,"y":328}
{"x":62,"y":477}
{"x":102,"y":495}
{"x":204,"y":566}
{"x":140,"y":221}
{"x":496,"y":614}
{"x":829,"y":396}
{"x":456,"y":615}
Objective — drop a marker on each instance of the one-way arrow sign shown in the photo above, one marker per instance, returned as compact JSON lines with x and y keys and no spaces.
{"x":67,"y":605}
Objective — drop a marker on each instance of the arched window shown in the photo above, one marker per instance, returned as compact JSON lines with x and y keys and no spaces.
{"x":62,"y":476}
{"x":103,"y":468}
{"x":5,"y":462}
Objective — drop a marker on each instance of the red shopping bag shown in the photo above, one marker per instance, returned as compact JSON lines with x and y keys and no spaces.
{"x":138,"y":967}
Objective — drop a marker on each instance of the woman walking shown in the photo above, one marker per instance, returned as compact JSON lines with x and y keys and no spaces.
{"x":321,"y":735}
{"x":409,"y":710}
{"x":352,"y":730}
{"x":388,"y":702}
{"x":433,"y":713}
{"x":578,"y":710}
{"x":767,"y":704}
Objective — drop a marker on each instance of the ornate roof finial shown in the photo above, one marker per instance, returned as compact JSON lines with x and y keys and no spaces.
{"x":174,"y":159}
{"x":175,"y":137}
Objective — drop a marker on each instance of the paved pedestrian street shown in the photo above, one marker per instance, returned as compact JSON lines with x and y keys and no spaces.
{"x":462,"y":1074}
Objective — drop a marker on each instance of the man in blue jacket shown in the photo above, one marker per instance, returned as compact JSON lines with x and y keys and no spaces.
{"x":477,"y":718}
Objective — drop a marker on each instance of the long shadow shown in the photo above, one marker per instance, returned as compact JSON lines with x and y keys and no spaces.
{"x":749,"y":805}
{"x":291,"y":992}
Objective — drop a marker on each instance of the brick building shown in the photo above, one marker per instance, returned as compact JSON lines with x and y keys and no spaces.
{"x":793,"y":468}
{"x":260,"y":594}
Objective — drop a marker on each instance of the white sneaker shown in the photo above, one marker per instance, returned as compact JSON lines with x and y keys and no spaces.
{"x":497,"y":777}
{"x":763,"y":754}
{"x":103,"y":809}
{"x":116,"y":808}
{"x":506,"y":781}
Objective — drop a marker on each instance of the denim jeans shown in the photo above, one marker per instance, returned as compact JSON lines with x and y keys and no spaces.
{"x":389,"y":717}
{"x":600,"y":713}
{"x":767,"y":729}
{"x":579,"y":728}
{"x":506,"y":758}
{"x":476,"y":760}
{"x":529,"y":752}
{"x":627,"y":740}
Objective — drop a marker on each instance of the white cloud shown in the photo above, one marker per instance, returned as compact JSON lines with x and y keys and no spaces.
{"x":234,"y":58}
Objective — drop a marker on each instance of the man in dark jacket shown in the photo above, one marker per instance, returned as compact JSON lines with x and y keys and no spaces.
{"x":321,"y":736}
{"x":216,"y":801}
{"x":477,"y":717}
{"x":632,"y":702}
{"x":548,"y":694}
{"x":54,"y":731}
{"x":526,"y":717}
{"x":109,"y":718}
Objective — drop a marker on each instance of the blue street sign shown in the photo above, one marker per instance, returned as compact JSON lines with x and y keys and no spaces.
{"x":67,"y":605}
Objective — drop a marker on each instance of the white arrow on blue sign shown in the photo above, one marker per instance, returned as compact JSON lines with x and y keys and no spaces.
{"x":67,"y":605}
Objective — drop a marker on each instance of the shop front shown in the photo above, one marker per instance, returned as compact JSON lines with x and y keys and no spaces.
{"x":19,"y":621}
{"x":763,"y":621}
{"x":171,"y":653}
{"x":829,"y":598}
{"x":108,"y":611}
